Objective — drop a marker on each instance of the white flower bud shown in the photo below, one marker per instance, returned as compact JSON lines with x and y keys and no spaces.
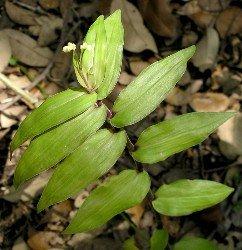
{"x":69,"y":47}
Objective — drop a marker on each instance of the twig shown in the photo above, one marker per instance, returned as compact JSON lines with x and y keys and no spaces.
{"x":35,"y":82}
{"x":45,"y":72}
{"x":30,"y":100}
{"x":37,"y":9}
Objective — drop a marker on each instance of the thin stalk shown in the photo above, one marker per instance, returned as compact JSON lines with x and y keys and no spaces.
{"x":30,"y":100}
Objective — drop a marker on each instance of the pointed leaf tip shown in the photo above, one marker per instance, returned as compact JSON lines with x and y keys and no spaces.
{"x":84,"y":166}
{"x":184,"y":197}
{"x":171,"y":136}
{"x":50,"y":148}
{"x":111,"y":198}
{"x":150,"y":88}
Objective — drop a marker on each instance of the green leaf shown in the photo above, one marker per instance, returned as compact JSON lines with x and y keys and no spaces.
{"x":89,"y":61}
{"x":48,"y":149}
{"x":129,"y":244}
{"x":144,"y":94}
{"x":164,"y":139}
{"x":54,"y":111}
{"x":116,"y":195}
{"x":159,"y":239}
{"x":114,"y":52}
{"x":85,"y":165}
{"x":184,"y":197}
{"x":194,"y":243}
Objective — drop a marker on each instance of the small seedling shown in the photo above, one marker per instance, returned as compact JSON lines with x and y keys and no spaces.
{"x":77,"y":135}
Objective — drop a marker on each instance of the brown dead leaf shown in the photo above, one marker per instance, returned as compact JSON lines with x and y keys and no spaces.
{"x":46,"y":29}
{"x":138,"y":66}
{"x":209,"y":102}
{"x":20,"y":244}
{"x":44,"y":240}
{"x":26,"y":50}
{"x":20,"y":15}
{"x":20,"y":81}
{"x":5,"y":51}
{"x":178,"y":97}
{"x":172,"y":225}
{"x":125,"y":78}
{"x":49,"y":4}
{"x":207,"y":50}
{"x":214,"y":5}
{"x":189,"y":39}
{"x":230,"y":134}
{"x":157,"y":13}
{"x":61,"y":66}
{"x":10,"y":115}
{"x":201,"y":17}
{"x":30,"y":189}
{"x":229,"y":22}
{"x":147,"y":220}
{"x":136,"y":213}
{"x":137,"y":37}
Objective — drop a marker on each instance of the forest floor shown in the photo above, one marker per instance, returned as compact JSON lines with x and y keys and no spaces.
{"x":32,"y":34}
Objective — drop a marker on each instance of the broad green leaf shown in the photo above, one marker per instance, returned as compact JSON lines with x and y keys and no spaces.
{"x":116,"y":195}
{"x":144,"y":94}
{"x":194,"y":243}
{"x":159,"y":239}
{"x":48,"y":149}
{"x":54,"y":111}
{"x":114,"y":53}
{"x":129,"y":244}
{"x":166,"y":138}
{"x":85,"y":165}
{"x":184,"y":197}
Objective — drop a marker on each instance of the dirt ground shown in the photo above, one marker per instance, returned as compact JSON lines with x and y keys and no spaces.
{"x":37,"y":31}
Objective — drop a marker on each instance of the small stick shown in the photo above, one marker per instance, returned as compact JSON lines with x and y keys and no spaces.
{"x":30,"y":100}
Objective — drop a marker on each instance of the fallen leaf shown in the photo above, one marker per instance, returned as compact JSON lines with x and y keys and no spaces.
{"x":147,"y":220}
{"x":138,"y":66}
{"x":207,"y":50}
{"x":8,"y":117}
{"x":20,"y":244}
{"x":157,"y":13}
{"x":137,"y":37}
{"x":230,"y":135}
{"x":229,"y":22}
{"x":29,"y":190}
{"x":26,"y":50}
{"x":49,"y":4}
{"x":47,"y":29}
{"x":178,"y":97}
{"x":136,"y":213}
{"x":213,"y":6}
{"x":171,"y":224}
{"x":3,"y":132}
{"x":20,"y":15}
{"x":125,"y":78}
{"x":5,"y":51}
{"x":209,"y":102}
{"x":189,"y":39}
{"x":44,"y":240}
{"x":88,"y":9}
{"x":20,"y":81}
{"x":61,"y":66}
{"x":201,"y":17}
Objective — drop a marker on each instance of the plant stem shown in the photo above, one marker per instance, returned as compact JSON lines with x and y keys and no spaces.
{"x":30,"y":100}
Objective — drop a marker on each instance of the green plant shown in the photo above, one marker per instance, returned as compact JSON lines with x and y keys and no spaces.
{"x":78,"y":135}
